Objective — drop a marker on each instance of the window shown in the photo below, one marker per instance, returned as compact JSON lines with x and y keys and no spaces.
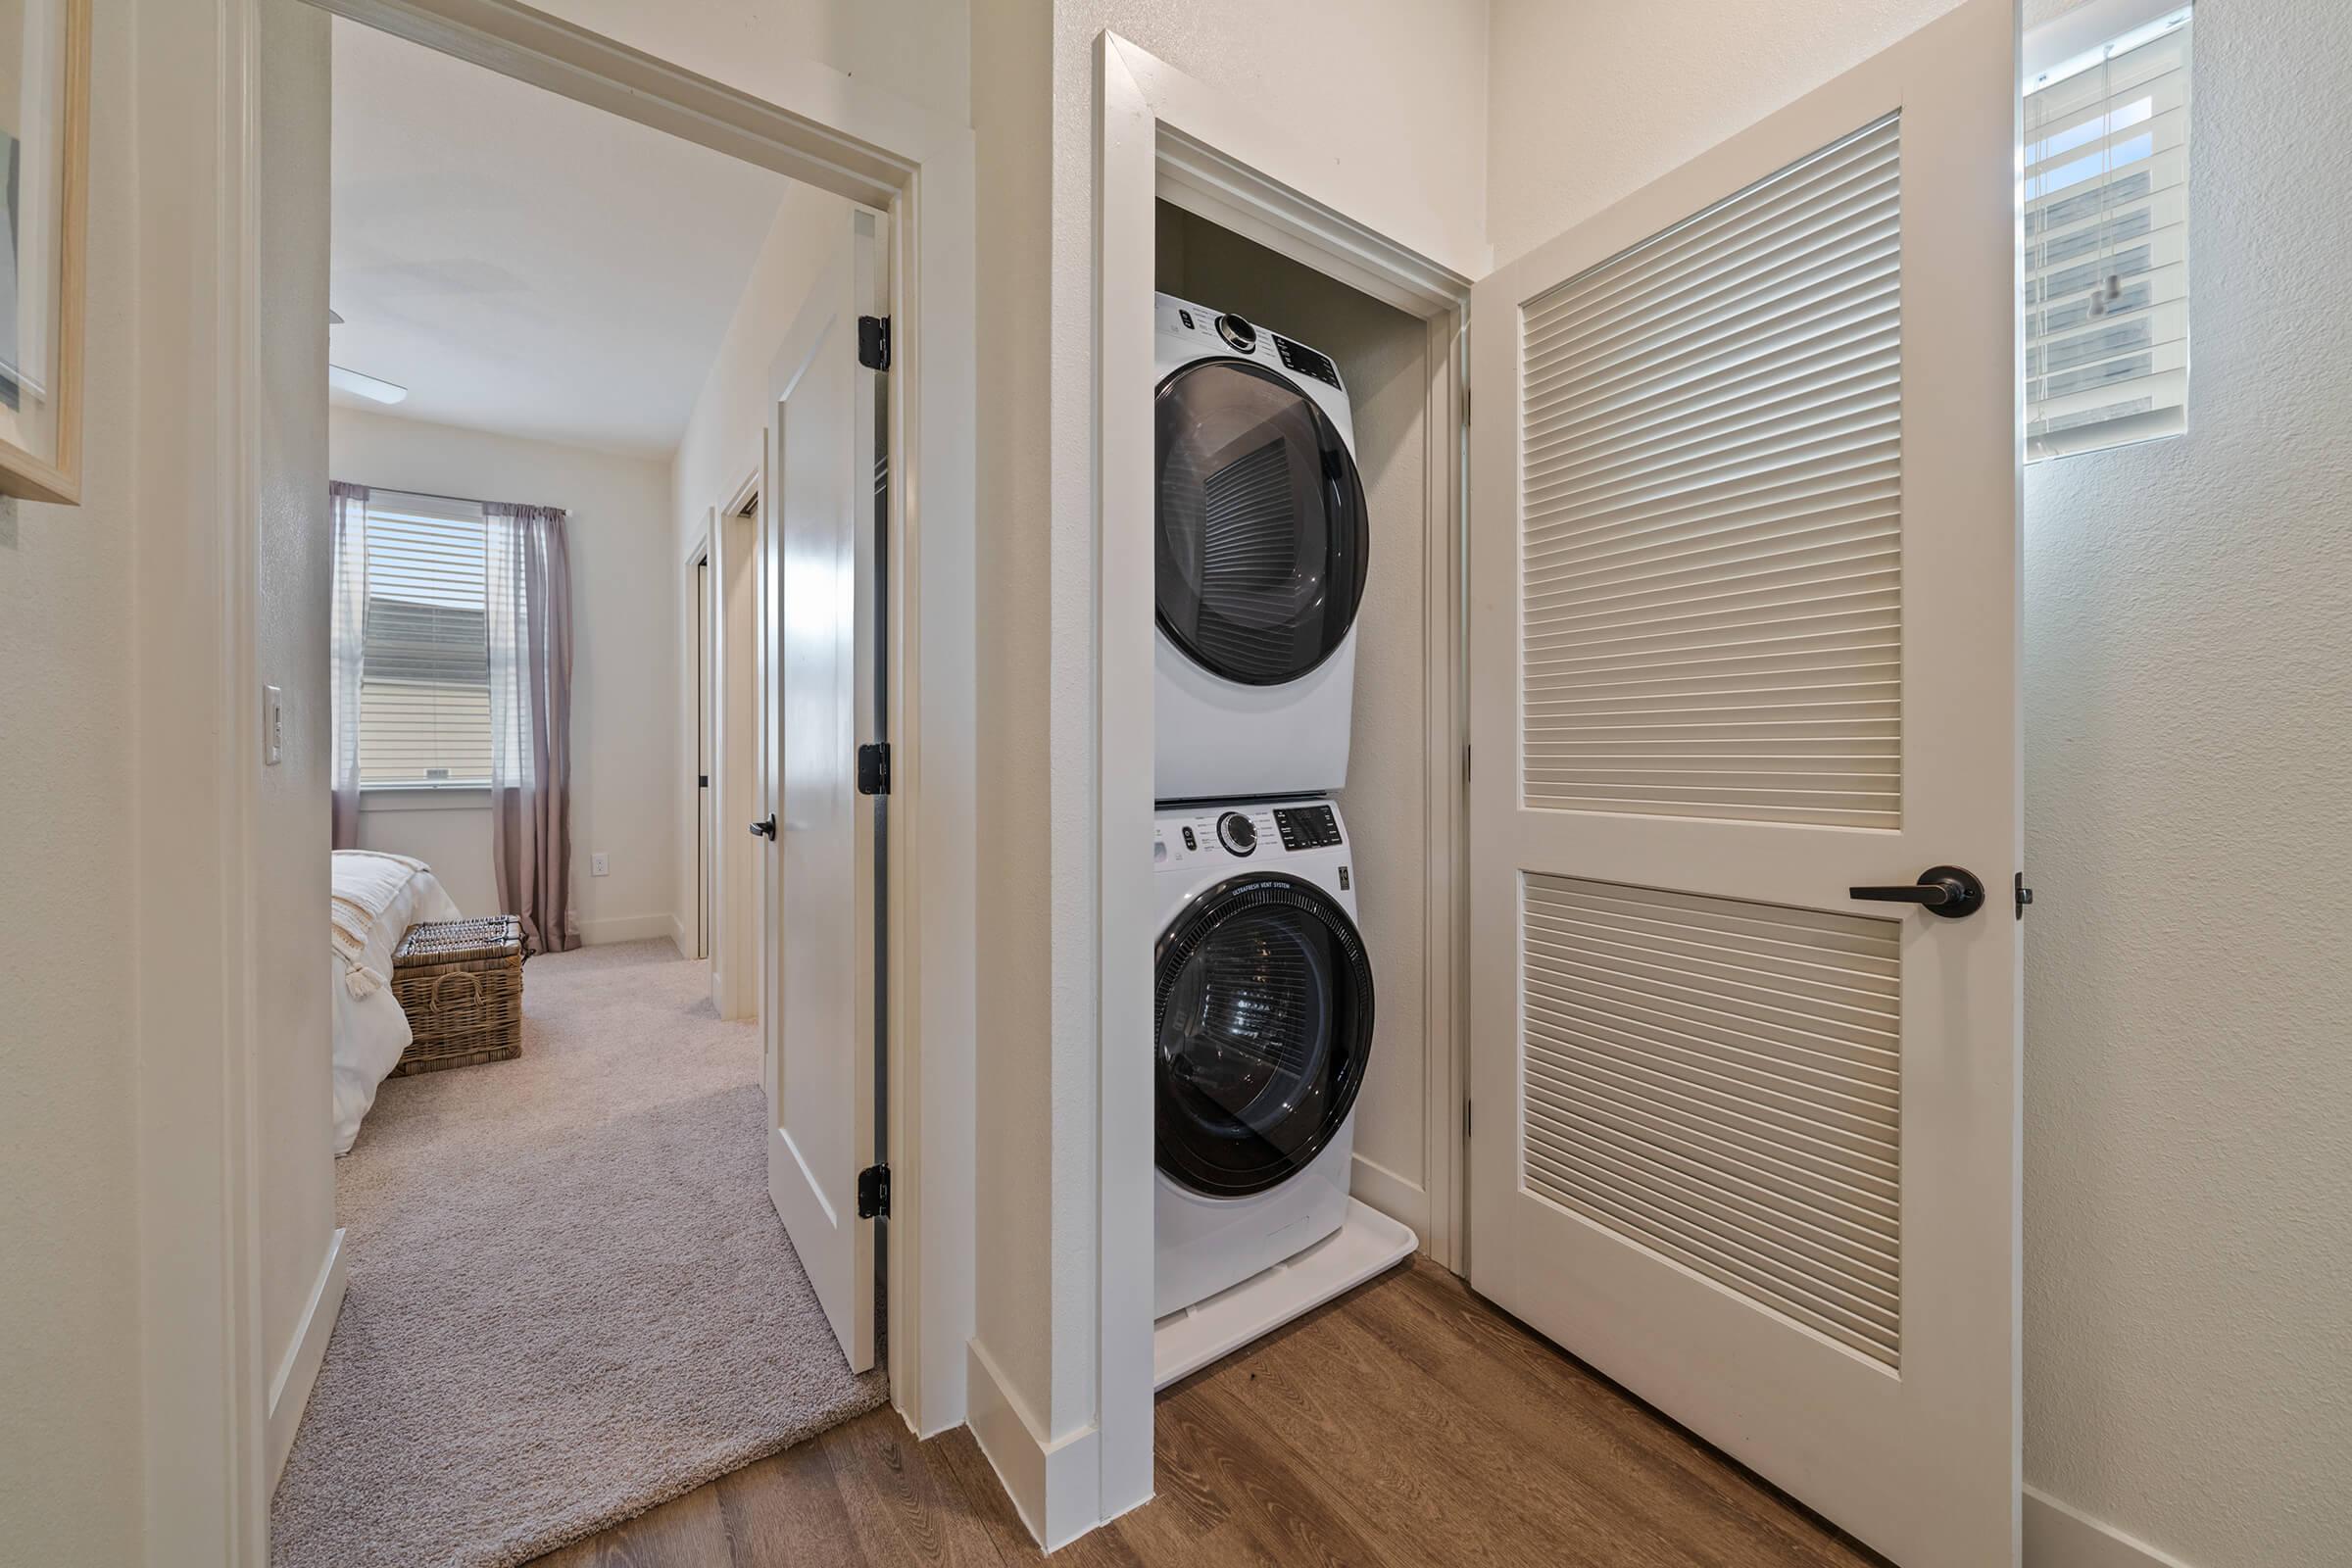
{"x":2106,"y":234}
{"x":424,"y":674}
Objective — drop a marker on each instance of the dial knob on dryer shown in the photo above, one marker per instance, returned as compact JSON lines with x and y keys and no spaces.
{"x":1236,"y":833}
{"x":1237,"y":332}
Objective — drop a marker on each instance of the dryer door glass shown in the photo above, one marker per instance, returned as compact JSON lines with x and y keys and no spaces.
{"x":1264,"y":1024}
{"x":1262,"y":537}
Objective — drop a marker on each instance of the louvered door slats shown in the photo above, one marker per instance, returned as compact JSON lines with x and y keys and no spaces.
{"x":1711,"y":513}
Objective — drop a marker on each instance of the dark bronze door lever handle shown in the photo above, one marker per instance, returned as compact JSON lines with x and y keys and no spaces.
{"x":1944,"y":889}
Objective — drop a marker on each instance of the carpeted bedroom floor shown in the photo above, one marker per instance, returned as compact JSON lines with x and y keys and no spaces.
{"x":569,"y":1297}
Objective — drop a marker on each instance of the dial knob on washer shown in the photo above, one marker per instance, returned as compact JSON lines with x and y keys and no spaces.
{"x":1236,"y":833}
{"x":1238,"y":332}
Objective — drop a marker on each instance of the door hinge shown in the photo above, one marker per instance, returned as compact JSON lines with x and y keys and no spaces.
{"x":2025,"y":895}
{"x":702,"y":781}
{"x":1465,"y":1119}
{"x":873,"y":1193}
{"x":874,"y":769}
{"x":1465,"y":405}
{"x":873,"y":342}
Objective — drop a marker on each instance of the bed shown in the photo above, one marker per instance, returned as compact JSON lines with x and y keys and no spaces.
{"x":373,"y":901}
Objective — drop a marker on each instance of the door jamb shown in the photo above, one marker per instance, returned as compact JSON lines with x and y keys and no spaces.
{"x":700,"y":572}
{"x":206,"y":1493}
{"x":1161,"y":133}
{"x":739,"y":919}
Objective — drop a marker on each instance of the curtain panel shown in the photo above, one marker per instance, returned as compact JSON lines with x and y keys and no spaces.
{"x":347,"y":639}
{"x":530,"y":719}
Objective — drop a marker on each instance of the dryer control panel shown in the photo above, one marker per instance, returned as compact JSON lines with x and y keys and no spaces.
{"x":1245,"y":833}
{"x":1232,"y":336}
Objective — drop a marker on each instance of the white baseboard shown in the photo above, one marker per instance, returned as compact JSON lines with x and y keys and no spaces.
{"x":1054,"y":1483}
{"x":2058,"y":1535}
{"x":1383,"y":1188}
{"x":626,"y":928}
{"x":290,"y":1389}
{"x":678,"y":937}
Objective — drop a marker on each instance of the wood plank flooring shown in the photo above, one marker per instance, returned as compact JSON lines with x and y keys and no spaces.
{"x":1406,"y":1423}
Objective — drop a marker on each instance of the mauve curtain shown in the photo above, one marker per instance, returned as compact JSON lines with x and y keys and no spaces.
{"x":347,"y":641}
{"x":530,"y":720}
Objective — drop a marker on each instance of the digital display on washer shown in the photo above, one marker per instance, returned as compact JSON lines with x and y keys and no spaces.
{"x":1306,"y":827}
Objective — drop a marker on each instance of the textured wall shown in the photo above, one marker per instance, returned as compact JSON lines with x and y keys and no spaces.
{"x":1590,"y":101}
{"x":69,"y":1464}
{"x":2188,"y":973}
{"x":2189,"y":725}
{"x":625,"y":576}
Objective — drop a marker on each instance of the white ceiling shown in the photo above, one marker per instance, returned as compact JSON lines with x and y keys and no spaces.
{"x":524,"y":263}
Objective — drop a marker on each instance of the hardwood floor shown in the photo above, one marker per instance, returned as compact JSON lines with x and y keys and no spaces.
{"x":1406,"y":1423}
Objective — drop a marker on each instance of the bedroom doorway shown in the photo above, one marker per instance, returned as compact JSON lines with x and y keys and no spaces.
{"x":611,"y":1165}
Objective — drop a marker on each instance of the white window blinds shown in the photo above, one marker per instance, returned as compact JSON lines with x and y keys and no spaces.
{"x":424,"y":684}
{"x":2106,"y":237}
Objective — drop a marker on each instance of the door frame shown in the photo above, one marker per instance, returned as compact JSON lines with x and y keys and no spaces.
{"x":198,"y":64}
{"x":1161,"y":133}
{"x":735,"y":555}
{"x":698,"y":592}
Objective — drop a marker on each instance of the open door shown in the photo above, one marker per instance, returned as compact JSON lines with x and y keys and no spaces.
{"x":821,"y":649}
{"x":1745,"y":807}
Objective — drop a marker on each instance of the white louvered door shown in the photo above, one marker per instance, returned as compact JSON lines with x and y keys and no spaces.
{"x":1744,"y":620}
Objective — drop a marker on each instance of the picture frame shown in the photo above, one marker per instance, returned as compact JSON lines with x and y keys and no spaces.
{"x":44,"y":218}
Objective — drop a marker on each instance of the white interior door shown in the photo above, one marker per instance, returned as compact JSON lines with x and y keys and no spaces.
{"x":821,"y":636}
{"x":1745,"y":630}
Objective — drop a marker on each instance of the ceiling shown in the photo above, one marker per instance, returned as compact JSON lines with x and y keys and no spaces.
{"x":524,"y":264}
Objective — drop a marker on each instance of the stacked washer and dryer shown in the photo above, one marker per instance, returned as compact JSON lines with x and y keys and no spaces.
{"x":1263,"y":990}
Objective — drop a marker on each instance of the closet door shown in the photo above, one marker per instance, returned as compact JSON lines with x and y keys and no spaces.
{"x":1745,"y":812}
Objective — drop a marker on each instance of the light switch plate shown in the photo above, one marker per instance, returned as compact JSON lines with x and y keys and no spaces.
{"x":274,"y":726}
{"x":597,"y":865}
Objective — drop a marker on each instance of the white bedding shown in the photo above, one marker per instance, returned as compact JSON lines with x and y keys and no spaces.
{"x":370,"y":1031}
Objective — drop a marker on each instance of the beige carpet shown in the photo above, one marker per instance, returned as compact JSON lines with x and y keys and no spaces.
{"x":569,"y":1297}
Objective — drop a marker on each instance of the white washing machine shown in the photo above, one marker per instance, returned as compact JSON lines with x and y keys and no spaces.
{"x":1262,"y":547}
{"x":1263,"y":1015}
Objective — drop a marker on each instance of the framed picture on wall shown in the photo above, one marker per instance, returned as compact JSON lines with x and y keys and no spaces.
{"x":44,"y":205}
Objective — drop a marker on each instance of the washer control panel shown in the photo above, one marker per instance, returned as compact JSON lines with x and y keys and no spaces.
{"x":1201,"y":835}
{"x":1307,"y":827}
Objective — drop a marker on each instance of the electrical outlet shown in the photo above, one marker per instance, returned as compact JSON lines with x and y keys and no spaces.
{"x":598,"y":865}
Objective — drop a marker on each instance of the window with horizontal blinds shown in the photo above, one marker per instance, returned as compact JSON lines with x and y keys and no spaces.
{"x":424,"y":684}
{"x":2106,"y":236}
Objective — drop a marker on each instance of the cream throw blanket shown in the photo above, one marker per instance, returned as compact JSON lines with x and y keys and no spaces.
{"x":365,"y":885}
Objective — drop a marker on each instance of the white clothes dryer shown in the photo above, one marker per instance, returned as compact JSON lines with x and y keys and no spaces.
{"x":1263,"y":1015}
{"x":1262,"y":552}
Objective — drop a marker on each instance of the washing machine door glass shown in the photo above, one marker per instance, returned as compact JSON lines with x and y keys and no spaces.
{"x":1265,"y":1024}
{"x":1262,"y":536}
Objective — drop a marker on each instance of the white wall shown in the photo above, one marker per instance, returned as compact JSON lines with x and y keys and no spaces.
{"x":721,"y":447}
{"x":2189,"y":726}
{"x":294,"y":1083}
{"x":624,"y":680}
{"x":69,"y":1465}
{"x":2189,"y":977}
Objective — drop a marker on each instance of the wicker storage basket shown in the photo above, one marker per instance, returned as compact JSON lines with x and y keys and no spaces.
{"x":460,"y":984}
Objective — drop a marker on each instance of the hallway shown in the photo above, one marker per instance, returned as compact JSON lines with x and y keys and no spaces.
{"x":1406,"y":1424}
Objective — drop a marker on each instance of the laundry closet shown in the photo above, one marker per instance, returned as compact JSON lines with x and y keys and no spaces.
{"x":1400,"y":801}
